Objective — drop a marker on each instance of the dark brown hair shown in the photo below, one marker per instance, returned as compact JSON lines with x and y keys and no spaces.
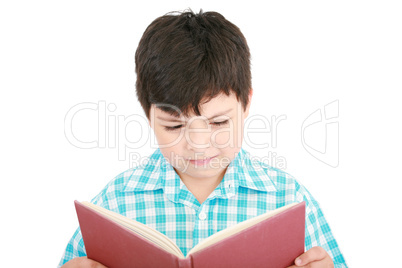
{"x":184,"y":58}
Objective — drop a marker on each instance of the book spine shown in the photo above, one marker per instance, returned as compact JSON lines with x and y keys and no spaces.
{"x":186,"y":263}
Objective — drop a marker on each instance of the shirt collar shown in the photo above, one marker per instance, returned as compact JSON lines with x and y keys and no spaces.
{"x":157,"y":173}
{"x":247,"y":173}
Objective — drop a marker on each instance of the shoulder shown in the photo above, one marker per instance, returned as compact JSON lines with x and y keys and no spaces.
{"x":289,"y":189}
{"x":279,"y":177}
{"x":114,"y":188}
{"x":119,"y":182}
{"x":285,"y":183}
{"x":139,"y":178}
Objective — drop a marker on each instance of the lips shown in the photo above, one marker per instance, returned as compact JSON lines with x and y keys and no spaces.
{"x":202,"y":161}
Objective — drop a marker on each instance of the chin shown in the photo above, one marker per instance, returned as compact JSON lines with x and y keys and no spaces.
{"x":205,"y":172}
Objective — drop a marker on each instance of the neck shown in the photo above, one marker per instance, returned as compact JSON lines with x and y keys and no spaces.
{"x":201,"y":188}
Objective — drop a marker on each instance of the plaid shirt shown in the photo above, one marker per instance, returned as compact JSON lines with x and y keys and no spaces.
{"x":154,"y":194}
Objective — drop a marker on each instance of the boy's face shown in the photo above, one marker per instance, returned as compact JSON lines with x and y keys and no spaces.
{"x":201,"y":146}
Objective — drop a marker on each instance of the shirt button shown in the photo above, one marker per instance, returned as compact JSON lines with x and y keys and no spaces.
{"x":202,"y":216}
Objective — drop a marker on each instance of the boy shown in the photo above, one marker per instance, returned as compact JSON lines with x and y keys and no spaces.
{"x":194,"y":84}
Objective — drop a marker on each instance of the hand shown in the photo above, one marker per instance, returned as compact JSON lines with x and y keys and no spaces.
{"x":314,"y":258}
{"x":82,"y":262}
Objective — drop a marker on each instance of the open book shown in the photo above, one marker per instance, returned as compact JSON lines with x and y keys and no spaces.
{"x":273,"y":239}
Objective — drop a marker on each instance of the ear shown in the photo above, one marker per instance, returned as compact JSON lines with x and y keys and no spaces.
{"x":250,"y":96}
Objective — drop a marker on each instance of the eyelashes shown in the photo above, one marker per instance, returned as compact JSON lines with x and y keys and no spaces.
{"x":179,"y":126}
{"x":173,"y":128}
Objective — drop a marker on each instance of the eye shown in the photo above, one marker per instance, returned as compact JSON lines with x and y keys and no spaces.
{"x":179,"y":126}
{"x":220,"y":123}
{"x":173,"y":128}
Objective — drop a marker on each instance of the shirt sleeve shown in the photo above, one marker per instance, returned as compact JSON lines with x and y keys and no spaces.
{"x":318,"y":232}
{"x":75,"y":247}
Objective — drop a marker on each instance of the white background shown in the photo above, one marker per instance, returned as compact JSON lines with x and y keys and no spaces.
{"x":305,"y":55}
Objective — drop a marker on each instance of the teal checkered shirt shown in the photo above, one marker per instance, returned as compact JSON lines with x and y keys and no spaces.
{"x":153,"y":194}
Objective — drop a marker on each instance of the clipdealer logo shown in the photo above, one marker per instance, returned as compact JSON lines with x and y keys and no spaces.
{"x":90,"y":125}
{"x":320,"y":134}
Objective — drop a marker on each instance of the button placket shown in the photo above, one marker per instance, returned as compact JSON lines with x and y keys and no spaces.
{"x":202,"y":216}
{"x":230,"y":186}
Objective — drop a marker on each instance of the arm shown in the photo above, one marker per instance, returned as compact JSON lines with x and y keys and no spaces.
{"x":75,"y":248}
{"x":82,"y":262}
{"x":319,"y":240}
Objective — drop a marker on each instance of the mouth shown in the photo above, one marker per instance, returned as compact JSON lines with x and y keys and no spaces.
{"x":202,"y":161}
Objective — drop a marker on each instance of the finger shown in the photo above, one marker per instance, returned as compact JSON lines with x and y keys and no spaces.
{"x":93,"y":264}
{"x":313,"y":254}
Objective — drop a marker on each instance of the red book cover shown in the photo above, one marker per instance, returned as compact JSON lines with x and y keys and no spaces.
{"x":274,"y":242}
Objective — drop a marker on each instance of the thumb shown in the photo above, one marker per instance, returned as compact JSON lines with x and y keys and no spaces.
{"x":313,"y":254}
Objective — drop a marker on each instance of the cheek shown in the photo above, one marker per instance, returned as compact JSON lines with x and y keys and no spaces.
{"x":168,"y":138}
{"x":223,"y":138}
{"x":229,"y":137}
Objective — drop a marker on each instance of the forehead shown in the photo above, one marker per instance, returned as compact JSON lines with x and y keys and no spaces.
{"x":220,"y":103}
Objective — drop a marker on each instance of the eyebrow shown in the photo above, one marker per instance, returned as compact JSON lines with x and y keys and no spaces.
{"x":178,"y":120}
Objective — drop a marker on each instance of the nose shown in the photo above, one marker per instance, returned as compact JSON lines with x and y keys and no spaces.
{"x":198,"y":135}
